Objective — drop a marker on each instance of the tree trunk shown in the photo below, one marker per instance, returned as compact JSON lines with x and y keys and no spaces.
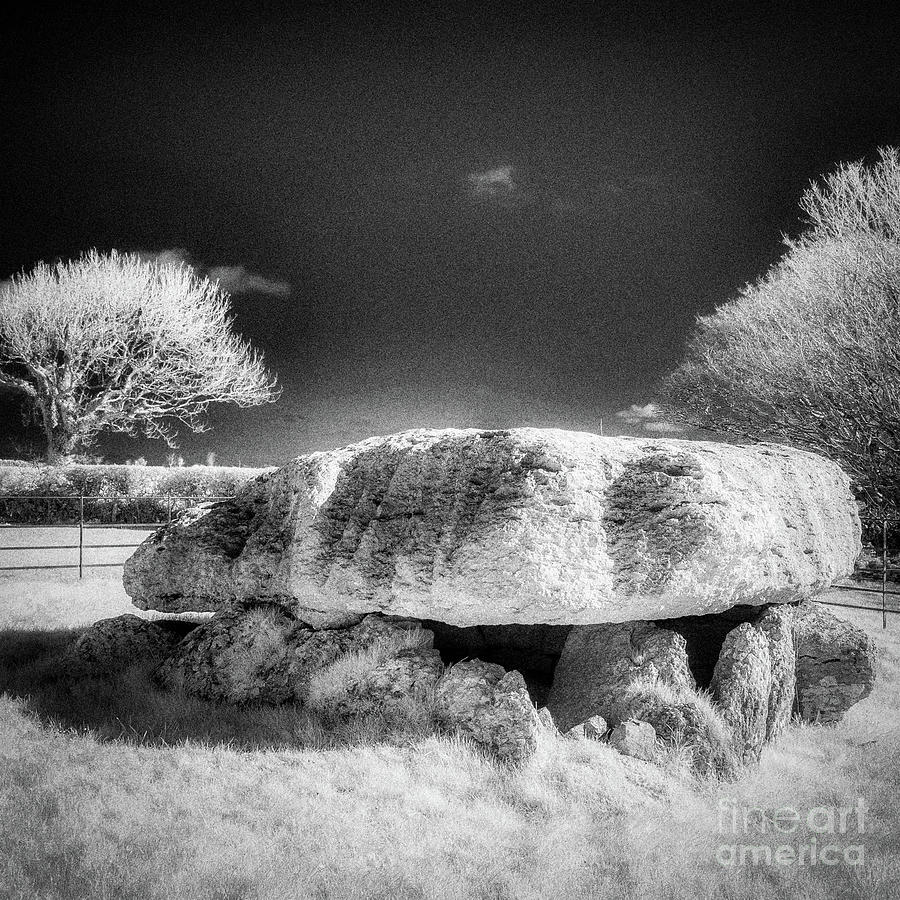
{"x":58,"y":441}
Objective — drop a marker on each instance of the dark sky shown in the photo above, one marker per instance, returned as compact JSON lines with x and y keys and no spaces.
{"x":485,"y":220}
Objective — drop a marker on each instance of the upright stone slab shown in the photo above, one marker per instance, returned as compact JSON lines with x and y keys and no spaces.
{"x":523,"y":526}
{"x":742,"y":687}
{"x":600,"y":662}
{"x":777,"y":624}
{"x":835,"y":664}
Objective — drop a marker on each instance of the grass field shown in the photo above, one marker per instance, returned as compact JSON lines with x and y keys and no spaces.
{"x":119,"y":790}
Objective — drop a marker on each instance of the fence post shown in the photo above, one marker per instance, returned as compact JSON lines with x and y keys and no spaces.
{"x":81,"y":535}
{"x":170,"y":509}
{"x":884,"y":572}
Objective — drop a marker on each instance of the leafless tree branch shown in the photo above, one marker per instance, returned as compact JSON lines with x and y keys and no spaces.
{"x":110,"y":342}
{"x":810,"y":354}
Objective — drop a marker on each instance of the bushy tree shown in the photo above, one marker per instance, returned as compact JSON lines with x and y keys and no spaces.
{"x":111,"y":342}
{"x":809,"y":354}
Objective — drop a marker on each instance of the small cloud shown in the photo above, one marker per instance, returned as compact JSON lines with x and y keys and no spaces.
{"x":233,"y":279}
{"x":637,"y":415}
{"x":648,"y":418}
{"x":237,"y":280}
{"x":495,"y":184}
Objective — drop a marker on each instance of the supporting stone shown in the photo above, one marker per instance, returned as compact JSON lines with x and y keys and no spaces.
{"x":491,"y":706}
{"x":600,"y":662}
{"x":835,"y":664}
{"x":742,"y":685}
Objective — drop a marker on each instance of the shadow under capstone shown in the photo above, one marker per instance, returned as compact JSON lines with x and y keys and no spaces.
{"x":704,"y":636}
{"x":533,"y":650}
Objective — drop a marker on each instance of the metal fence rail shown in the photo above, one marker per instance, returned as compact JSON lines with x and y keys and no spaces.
{"x":884,"y":539}
{"x":84,"y":524}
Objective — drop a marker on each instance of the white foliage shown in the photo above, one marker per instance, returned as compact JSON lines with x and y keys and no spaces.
{"x":113,"y":342}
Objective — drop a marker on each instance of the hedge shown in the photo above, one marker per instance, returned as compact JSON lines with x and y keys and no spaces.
{"x":132,"y":494}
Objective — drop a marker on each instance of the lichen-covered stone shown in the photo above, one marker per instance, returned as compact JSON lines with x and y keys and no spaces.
{"x":491,"y":706}
{"x":600,"y":662}
{"x":637,"y":739}
{"x":262,"y":652}
{"x":410,"y":675}
{"x":522,"y":526}
{"x":835,"y":664}
{"x":110,"y":645}
{"x":742,"y":686}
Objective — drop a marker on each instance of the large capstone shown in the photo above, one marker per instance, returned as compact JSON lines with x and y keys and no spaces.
{"x":523,"y":526}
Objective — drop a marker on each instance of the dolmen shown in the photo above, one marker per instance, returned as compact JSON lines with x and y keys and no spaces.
{"x":525,"y":579}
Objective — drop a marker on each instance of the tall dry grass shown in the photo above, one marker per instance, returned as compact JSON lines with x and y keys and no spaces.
{"x":131,"y":792}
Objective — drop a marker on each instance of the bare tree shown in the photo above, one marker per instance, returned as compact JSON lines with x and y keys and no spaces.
{"x":810,"y":353}
{"x":110,"y":342}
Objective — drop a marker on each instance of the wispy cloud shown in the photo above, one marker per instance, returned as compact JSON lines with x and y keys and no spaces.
{"x":233,"y":279}
{"x":648,"y":418}
{"x":498,"y":184}
{"x":237,"y":280}
{"x":577,"y":194}
{"x":505,"y":186}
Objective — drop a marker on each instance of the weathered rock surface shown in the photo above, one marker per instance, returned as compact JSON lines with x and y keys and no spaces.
{"x":600,"y":662}
{"x":261,"y":652}
{"x":835,"y":664}
{"x":489,"y":705}
{"x":633,"y":738}
{"x":523,"y":526}
{"x":409,"y":675}
{"x":705,"y":635}
{"x":593,"y":729}
{"x":742,"y":686}
{"x":113,"y":644}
